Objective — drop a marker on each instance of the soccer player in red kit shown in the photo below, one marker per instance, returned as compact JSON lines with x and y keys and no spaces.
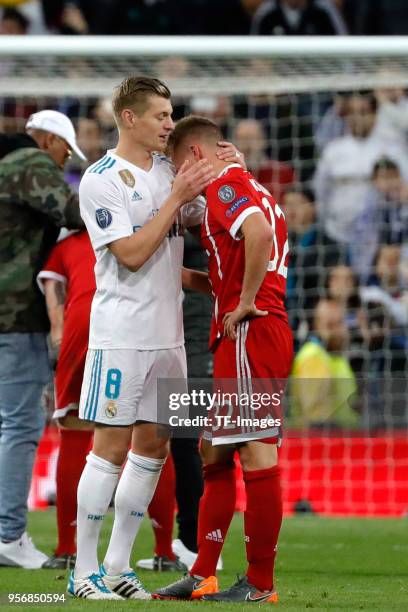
{"x":244,"y":232}
{"x":68,"y":282}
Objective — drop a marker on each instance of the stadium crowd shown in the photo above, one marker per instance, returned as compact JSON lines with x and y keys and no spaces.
{"x":196,"y":17}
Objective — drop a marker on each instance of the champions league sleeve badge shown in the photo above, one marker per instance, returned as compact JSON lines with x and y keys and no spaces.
{"x":103,"y":217}
{"x":226,"y":194}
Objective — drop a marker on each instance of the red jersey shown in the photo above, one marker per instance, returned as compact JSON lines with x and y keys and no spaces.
{"x":230,"y":200}
{"x":72,"y":261}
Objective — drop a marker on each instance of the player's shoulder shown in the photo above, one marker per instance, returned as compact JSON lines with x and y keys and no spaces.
{"x":102,"y":167}
{"x":231,"y":180}
{"x":106,"y":173}
{"x":164,"y":164}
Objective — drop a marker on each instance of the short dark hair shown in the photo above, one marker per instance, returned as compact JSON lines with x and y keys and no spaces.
{"x":384,"y":163}
{"x":134,"y":92}
{"x":13,"y":14}
{"x":306,"y":192}
{"x":193,"y":126}
{"x":369,"y":96}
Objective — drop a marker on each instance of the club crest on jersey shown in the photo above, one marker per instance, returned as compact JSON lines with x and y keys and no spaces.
{"x":127,"y":177}
{"x":111,"y":410}
{"x":226,"y":194}
{"x":103,"y":217}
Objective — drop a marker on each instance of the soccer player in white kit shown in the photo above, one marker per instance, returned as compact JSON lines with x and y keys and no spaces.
{"x":134,"y":208}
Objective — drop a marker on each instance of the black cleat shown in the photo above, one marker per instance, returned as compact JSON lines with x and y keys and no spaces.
{"x":243,"y":592}
{"x":60,"y":562}
{"x":188,"y":587}
{"x":162,"y":564}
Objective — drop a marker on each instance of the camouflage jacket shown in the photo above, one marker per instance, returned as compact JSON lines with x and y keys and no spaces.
{"x":35,"y":201}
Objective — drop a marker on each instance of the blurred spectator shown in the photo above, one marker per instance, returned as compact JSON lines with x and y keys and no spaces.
{"x":384,"y":218}
{"x":344,"y":171}
{"x":342,"y":286}
{"x":13,"y":22}
{"x":109,"y":16}
{"x":323,"y":383}
{"x":312,"y":253}
{"x":89,"y":137}
{"x":229,"y":17}
{"x":385,"y":286}
{"x":392,"y":120}
{"x":382,"y":364}
{"x":104,"y":116}
{"x":250,"y":139}
{"x":333,"y":123}
{"x":31,"y":10}
{"x":298,"y":18}
{"x":217,"y":108}
{"x":377,"y":17}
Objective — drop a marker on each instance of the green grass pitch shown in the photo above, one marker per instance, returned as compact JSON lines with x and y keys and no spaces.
{"x":323,"y":563}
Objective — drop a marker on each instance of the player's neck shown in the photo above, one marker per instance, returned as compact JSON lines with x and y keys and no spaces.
{"x":135,"y":154}
{"x":219,"y":166}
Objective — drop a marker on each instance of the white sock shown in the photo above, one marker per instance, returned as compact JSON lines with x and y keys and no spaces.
{"x":95,"y":490}
{"x":133,"y":496}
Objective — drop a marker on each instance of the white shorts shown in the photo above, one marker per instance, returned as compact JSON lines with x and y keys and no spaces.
{"x":120,"y":385}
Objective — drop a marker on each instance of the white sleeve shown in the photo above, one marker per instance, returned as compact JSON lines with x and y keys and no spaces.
{"x":193,"y":212}
{"x":103,"y":210}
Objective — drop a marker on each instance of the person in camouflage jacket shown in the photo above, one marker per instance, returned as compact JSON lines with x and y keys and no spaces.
{"x":35,"y":202}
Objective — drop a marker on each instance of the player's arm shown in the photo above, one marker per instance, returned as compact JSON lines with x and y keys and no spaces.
{"x":54,"y":291}
{"x":133,"y":251}
{"x":258,"y":237}
{"x":195,"y":280}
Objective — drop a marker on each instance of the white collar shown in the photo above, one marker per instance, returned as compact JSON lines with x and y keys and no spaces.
{"x":225,"y":170}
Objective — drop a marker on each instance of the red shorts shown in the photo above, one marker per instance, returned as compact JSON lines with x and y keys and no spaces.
{"x":70,"y":366}
{"x":256,"y":365}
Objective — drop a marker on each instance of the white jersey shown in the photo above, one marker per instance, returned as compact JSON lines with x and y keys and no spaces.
{"x":134,"y":310}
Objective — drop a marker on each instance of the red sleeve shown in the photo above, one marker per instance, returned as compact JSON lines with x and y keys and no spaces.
{"x":54,"y":266}
{"x":231,"y":201}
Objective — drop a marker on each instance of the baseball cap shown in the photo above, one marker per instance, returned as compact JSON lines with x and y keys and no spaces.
{"x":56,"y":123}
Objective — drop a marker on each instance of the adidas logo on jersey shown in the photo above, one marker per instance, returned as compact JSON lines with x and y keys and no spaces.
{"x":215,"y":536}
{"x":136,"y":197}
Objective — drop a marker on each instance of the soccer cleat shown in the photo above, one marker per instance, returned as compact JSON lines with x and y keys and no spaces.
{"x":60,"y":562}
{"x":188,"y":587}
{"x":242,"y":592}
{"x":162,"y":564}
{"x":90,"y":587}
{"x":126,"y":584}
{"x":188,"y":557}
{"x":21,"y":553}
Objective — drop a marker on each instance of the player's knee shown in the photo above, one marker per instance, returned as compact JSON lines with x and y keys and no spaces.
{"x":154,"y":448}
{"x":112,"y":443}
{"x":258,"y":456}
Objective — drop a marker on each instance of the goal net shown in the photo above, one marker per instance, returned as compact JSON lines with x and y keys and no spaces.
{"x":324,"y":126}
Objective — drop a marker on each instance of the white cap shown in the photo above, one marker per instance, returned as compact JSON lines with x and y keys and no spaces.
{"x":56,"y":123}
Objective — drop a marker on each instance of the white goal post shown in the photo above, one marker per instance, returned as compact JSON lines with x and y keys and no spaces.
{"x":91,"y":65}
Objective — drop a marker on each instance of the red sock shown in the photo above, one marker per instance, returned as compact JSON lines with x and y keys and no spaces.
{"x":162,"y":509}
{"x":74,"y":447}
{"x":262,"y":519}
{"x":216,"y":510}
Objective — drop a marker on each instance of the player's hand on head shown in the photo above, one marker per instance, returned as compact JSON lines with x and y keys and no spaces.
{"x":192,"y":179}
{"x":241,"y":312}
{"x":229,"y":153}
